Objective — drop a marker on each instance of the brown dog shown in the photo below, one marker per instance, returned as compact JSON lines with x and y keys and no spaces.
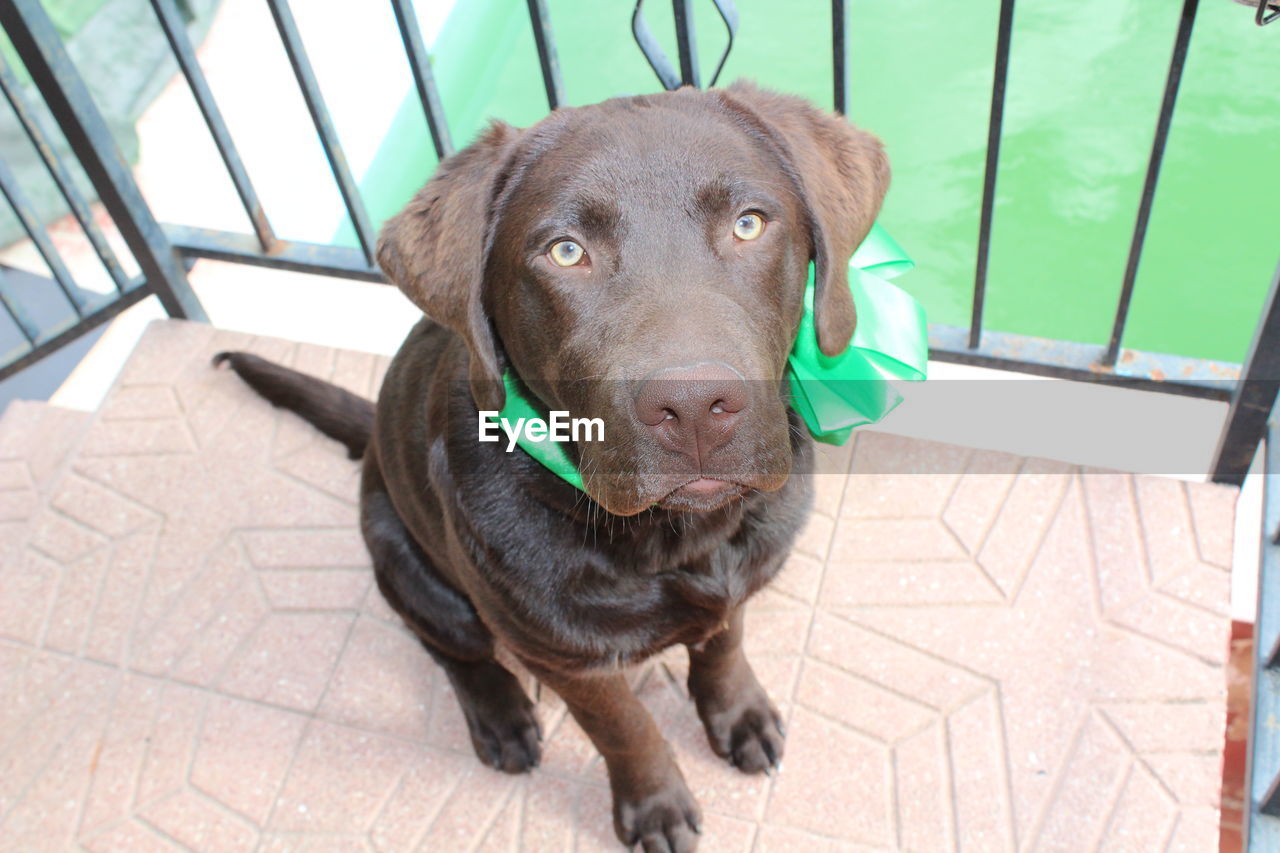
{"x":642,"y":261}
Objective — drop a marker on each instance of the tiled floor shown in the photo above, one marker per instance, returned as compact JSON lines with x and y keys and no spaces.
{"x":1020,"y":656}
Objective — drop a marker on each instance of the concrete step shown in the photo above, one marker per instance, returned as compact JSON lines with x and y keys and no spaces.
{"x":37,"y":442}
{"x":40,"y":438}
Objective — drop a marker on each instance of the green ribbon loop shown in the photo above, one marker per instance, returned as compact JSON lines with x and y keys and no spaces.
{"x":833,"y":394}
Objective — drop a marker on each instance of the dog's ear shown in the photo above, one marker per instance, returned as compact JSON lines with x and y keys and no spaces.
{"x":844,"y":174}
{"x":433,"y":250}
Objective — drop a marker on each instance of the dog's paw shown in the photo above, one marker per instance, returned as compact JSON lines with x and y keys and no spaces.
{"x":504,"y":729}
{"x":510,"y":741}
{"x":748,"y":732}
{"x":667,"y":820}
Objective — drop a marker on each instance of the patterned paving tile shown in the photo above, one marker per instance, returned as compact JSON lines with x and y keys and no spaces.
{"x":973,"y":650}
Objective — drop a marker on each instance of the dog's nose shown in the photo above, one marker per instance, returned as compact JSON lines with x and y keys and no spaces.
{"x":692,"y":409}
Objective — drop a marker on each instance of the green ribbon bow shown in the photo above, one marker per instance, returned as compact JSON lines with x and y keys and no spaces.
{"x":833,"y":394}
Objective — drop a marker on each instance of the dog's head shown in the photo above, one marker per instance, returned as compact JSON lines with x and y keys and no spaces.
{"x":644,"y":261}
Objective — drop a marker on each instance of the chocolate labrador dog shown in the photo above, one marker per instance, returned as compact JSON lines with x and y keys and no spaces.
{"x":642,"y":261}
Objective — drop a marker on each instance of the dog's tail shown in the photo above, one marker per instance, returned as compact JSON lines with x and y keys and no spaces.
{"x":335,"y":411}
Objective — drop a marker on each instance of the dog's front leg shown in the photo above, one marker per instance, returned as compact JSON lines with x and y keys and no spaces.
{"x":742,"y":724}
{"x":652,"y":805}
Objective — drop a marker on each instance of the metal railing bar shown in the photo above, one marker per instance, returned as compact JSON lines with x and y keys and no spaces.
{"x":1181,"y":41}
{"x":30,"y":331}
{"x":76,"y":298}
{"x":1262,"y":768}
{"x":176,"y":32}
{"x":686,"y":43}
{"x":306,"y":77}
{"x":1270,"y":802}
{"x":653,"y":52}
{"x":1254,"y":397}
{"x":657,"y":57}
{"x":548,"y":57}
{"x":729,"y":17}
{"x":1169,"y":374}
{"x":135,"y":291}
{"x":40,"y":47}
{"x":999,"y":81}
{"x":840,"y":55}
{"x":1268,"y":11}
{"x":316,"y":258}
{"x":61,"y":177}
{"x":420,"y":65}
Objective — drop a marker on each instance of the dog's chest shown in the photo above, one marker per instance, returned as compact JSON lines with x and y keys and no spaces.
{"x":709,"y":593}
{"x":607,"y":613}
{"x":690,"y":602}
{"x":572,"y":597}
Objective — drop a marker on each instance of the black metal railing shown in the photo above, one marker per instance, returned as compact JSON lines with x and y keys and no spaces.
{"x":162,"y":268}
{"x":161,"y":251}
{"x":1262,"y":774}
{"x":175,"y":30}
{"x":1154,"y":371}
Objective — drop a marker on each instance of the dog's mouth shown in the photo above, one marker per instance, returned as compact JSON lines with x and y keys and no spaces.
{"x":703,"y":494}
{"x":638,"y":468}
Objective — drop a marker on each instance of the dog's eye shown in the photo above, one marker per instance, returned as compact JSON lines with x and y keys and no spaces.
{"x":567,"y":253}
{"x":749,"y":226}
